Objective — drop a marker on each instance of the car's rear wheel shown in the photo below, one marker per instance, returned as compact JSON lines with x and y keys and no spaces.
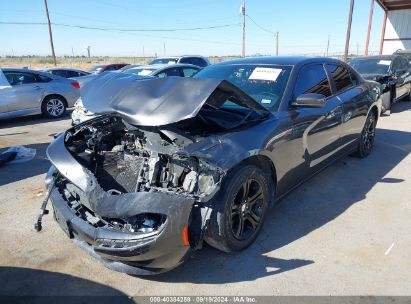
{"x":367,"y":136}
{"x":53,"y":106}
{"x":240,"y":209}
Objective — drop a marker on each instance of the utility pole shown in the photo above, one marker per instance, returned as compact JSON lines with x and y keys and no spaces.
{"x":87,"y":47}
{"x":276,"y":43}
{"x":243,"y":13}
{"x":328,"y":45}
{"x":50,"y":33}
{"x":164,"y":47}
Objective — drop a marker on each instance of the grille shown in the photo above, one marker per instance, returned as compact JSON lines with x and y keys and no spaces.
{"x":119,"y":171}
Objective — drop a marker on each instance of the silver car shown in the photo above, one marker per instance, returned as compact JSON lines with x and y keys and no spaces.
{"x":27,"y":92}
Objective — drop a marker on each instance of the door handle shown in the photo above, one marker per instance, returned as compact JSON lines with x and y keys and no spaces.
{"x":37,"y":87}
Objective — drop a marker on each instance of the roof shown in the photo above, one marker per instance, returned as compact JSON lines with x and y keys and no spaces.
{"x":390,"y":5}
{"x":21,"y":70}
{"x":279,"y":60}
{"x":66,"y":69}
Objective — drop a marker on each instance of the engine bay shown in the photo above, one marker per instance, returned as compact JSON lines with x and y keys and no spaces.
{"x":125,"y":158}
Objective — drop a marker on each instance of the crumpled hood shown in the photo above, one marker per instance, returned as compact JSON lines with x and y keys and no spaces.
{"x":153,"y":102}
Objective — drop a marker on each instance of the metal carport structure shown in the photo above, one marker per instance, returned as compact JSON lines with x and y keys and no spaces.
{"x":392,"y":9}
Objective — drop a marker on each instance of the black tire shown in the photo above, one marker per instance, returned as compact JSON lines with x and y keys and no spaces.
{"x":53,"y":106}
{"x":367,"y":137}
{"x":239,"y":210}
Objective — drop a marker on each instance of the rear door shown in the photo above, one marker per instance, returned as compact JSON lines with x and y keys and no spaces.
{"x":354,"y":99}
{"x":399,"y":72}
{"x":27,"y":90}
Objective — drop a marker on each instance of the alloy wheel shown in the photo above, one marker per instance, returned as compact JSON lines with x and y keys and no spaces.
{"x":55,"y":107}
{"x":247,"y":210}
{"x":369,"y":135}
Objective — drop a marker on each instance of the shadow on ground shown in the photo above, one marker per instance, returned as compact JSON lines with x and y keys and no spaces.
{"x":314,"y":204}
{"x":13,"y":172}
{"x":26,"y":282}
{"x":401,"y":106}
{"x":30,"y":120}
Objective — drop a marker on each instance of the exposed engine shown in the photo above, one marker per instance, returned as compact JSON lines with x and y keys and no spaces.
{"x":125,"y":158}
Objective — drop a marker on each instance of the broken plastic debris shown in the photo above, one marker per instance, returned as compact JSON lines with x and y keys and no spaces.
{"x":23,"y":154}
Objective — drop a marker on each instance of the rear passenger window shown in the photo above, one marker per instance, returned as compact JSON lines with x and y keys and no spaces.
{"x":73,"y":74}
{"x":170,"y":72}
{"x":42,"y":78}
{"x":61,"y":73}
{"x":312,"y":79}
{"x":341,"y":77}
{"x":199,"y":62}
{"x":188,"y":72}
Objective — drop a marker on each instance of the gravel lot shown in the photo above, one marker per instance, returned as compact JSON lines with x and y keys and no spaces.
{"x":345,"y":232}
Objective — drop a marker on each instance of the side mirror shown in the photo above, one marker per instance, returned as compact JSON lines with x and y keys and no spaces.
{"x":310,"y":100}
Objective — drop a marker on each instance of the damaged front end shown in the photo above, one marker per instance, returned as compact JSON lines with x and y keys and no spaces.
{"x":129,"y":195}
{"x":138,"y":196}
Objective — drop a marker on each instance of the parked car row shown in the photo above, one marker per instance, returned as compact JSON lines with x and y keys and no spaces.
{"x":392,"y":71}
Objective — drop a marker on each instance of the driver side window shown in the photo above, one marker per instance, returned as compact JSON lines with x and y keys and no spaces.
{"x":19,"y":78}
{"x":312,"y":79}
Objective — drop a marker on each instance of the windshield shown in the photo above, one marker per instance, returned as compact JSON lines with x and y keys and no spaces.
{"x":371,"y":66}
{"x":264,"y":83}
{"x":139,"y":71}
{"x":164,"y":61}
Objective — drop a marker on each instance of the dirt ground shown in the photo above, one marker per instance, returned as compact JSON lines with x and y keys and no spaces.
{"x":345,"y":232}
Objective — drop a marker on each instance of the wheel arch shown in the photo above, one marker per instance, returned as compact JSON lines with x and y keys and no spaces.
{"x":374,"y":109}
{"x":264,"y":163}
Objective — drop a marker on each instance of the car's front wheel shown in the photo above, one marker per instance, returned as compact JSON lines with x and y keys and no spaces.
{"x":367,"y":137}
{"x":240,"y":209}
{"x":53,"y":106}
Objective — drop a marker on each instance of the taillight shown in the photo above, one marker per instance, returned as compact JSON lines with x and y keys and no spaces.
{"x":76,"y":85}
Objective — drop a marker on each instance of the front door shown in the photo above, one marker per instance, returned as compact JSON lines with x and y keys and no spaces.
{"x":27,"y":93}
{"x":315,"y":135}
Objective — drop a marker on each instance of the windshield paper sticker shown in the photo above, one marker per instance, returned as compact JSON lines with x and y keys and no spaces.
{"x":266,"y":101}
{"x":265,"y":74}
{"x":384,"y":62}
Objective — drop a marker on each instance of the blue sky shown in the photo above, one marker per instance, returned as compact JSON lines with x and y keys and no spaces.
{"x":304,"y":26}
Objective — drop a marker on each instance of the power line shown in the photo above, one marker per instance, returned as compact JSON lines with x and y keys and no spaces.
{"x":123,"y":29}
{"x":259,"y":26}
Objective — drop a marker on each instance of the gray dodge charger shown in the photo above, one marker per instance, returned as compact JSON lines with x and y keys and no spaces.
{"x":173,"y":162}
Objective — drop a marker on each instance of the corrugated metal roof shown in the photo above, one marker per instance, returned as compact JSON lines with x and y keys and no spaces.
{"x":391,"y":5}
